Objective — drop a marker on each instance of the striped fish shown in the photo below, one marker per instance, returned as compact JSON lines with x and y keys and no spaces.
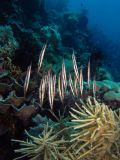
{"x":75,"y":66}
{"x":88,"y":74}
{"x":42,"y":88}
{"x":41,"y":57}
{"x":81,"y":81}
{"x":27,"y":79}
{"x":64,"y":76}
{"x":61,"y":87}
{"x":71,"y":85}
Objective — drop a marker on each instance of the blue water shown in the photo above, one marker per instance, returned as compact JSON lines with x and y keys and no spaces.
{"x":104,"y":21}
{"x":104,"y":13}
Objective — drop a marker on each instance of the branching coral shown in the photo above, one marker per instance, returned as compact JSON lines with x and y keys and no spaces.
{"x":45,"y":147}
{"x":97,"y":130}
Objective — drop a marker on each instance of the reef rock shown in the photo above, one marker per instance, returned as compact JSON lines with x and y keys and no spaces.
{"x":112,"y":96}
{"x":25,"y":113}
{"x":4,"y":108}
{"x":107,"y":85}
{"x":103,"y":74}
{"x":5,"y":88}
{"x":8,"y":43}
{"x":13,"y":99}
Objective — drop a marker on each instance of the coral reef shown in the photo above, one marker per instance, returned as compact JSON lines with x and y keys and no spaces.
{"x":8,"y":43}
{"x":94,"y":130}
{"x":93,"y":127}
{"x":63,"y":31}
{"x":51,"y":35}
{"x":45,"y":100}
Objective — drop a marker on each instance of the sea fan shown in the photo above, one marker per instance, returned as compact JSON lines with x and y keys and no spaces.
{"x":97,"y":130}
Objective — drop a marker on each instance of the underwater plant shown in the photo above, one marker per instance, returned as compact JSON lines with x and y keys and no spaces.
{"x":96,"y":131}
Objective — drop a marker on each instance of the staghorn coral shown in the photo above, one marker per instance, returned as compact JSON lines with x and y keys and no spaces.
{"x":96,"y":131}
